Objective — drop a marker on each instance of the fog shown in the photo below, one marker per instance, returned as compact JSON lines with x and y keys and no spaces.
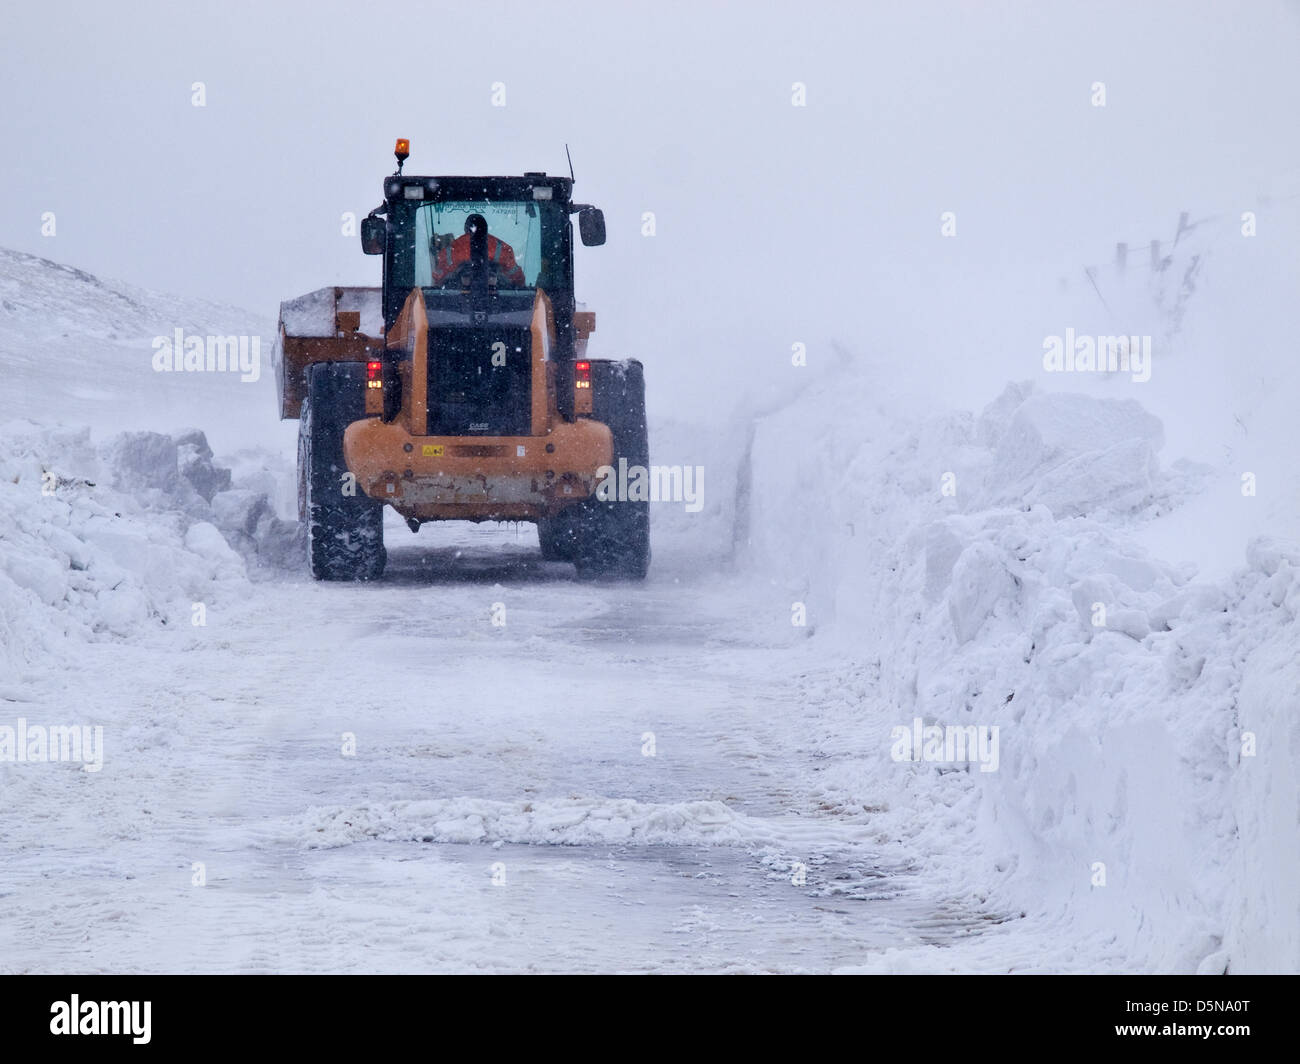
{"x":774,"y":223}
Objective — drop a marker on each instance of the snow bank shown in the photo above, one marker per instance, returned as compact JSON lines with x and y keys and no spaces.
{"x":1073,"y":454}
{"x":110,"y":541}
{"x":177,"y":473}
{"x":984,"y":571}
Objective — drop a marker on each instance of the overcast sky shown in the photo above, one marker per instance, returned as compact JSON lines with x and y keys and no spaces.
{"x":773,"y":222}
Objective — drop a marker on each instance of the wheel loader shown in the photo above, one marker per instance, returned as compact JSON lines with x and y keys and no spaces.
{"x":460,"y":388}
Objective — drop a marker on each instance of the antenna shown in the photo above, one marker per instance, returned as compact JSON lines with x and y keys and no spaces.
{"x":570,"y":158}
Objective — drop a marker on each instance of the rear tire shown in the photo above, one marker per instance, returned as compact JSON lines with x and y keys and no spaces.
{"x":612,"y":539}
{"x":345,"y":533}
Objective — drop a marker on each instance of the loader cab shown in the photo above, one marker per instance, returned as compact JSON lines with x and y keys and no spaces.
{"x":431,"y":235}
{"x":423,"y":239}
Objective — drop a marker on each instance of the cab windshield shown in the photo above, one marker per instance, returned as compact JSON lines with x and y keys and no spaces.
{"x":442,"y":244}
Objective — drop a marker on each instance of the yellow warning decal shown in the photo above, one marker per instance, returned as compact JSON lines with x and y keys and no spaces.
{"x":430,"y":450}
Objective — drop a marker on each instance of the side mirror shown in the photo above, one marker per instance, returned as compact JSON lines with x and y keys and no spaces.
{"x":373,"y":233}
{"x":591,"y":224}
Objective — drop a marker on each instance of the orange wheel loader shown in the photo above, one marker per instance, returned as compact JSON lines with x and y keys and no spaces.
{"x":461,"y":389}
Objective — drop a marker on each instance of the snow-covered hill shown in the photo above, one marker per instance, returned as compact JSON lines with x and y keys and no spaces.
{"x":80,"y":350}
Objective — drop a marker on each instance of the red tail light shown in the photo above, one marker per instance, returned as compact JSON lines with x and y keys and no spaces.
{"x":582,"y":376}
{"x":374,"y":370}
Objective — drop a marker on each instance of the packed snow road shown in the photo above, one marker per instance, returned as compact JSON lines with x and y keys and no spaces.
{"x":476,"y":764}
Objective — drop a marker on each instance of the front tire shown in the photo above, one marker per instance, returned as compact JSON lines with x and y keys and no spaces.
{"x":553,"y":539}
{"x":345,"y":532}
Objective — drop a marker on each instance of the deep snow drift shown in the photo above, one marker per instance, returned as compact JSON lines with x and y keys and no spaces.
{"x":1122,"y":687}
{"x":991,"y":570}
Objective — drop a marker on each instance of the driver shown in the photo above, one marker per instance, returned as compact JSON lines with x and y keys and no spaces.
{"x":449,"y":255}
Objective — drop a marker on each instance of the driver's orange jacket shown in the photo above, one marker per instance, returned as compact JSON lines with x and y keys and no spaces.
{"x":499,"y":252}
